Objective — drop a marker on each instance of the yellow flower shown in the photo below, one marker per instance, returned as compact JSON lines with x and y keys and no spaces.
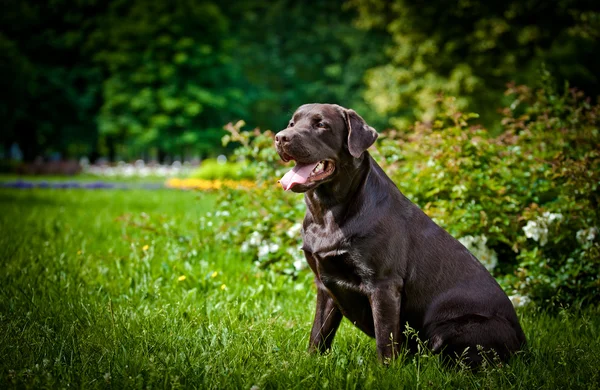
{"x":214,"y":274}
{"x":223,"y":287}
{"x":79,"y":252}
{"x":181,"y":278}
{"x":145,"y":247}
{"x":206,"y":185}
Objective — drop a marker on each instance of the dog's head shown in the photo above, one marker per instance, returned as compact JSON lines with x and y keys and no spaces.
{"x":321,"y":138}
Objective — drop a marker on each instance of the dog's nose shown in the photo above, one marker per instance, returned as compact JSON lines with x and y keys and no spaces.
{"x":281,"y":137}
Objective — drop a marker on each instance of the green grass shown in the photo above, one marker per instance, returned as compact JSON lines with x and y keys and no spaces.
{"x":93,"y":294}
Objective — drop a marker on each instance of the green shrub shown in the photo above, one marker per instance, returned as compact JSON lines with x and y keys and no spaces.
{"x":211,"y":169}
{"x":525,"y":202}
{"x":562,"y":134}
{"x":265,"y":222}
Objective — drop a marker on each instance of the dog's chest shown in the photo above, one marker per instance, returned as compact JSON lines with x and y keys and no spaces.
{"x":334,"y":263}
{"x":339,"y":272}
{"x":334,"y":256}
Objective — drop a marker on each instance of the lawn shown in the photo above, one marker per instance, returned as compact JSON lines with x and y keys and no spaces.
{"x":124,"y":289}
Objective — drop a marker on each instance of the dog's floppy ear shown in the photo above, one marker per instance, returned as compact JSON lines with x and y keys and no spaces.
{"x":360,"y":135}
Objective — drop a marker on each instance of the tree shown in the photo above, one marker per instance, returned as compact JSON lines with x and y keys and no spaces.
{"x":50,"y":88}
{"x":296,"y":52}
{"x":171,"y":76}
{"x":471,"y":49}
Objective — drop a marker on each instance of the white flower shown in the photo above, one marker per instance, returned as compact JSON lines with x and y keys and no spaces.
{"x":255,"y":239}
{"x":299,"y":265}
{"x":161,"y":171}
{"x":538,"y":230}
{"x":586,"y":235}
{"x":298,"y":256}
{"x":459,"y":189}
{"x":128,"y":170}
{"x":144,"y":171}
{"x":263,"y":250}
{"x":551,"y":217}
{"x":476,"y":245}
{"x":519,"y":300}
{"x":294,"y":230}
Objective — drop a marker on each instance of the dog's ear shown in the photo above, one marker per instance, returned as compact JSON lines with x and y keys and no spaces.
{"x":360,"y":135}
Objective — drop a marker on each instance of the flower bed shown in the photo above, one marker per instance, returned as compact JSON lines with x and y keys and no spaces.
{"x":207,"y":185}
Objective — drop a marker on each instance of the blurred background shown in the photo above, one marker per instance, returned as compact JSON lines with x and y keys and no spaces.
{"x":89,"y":81}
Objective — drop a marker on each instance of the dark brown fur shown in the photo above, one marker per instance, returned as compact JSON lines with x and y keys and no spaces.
{"x":379,"y":260}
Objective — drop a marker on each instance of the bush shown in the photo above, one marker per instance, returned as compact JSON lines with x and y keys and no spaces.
{"x":559,"y":257}
{"x":524,"y":202}
{"x":265,"y":222}
{"x":211,"y":169}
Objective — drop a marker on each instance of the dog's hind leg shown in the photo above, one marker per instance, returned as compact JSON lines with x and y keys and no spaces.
{"x":474,"y":339}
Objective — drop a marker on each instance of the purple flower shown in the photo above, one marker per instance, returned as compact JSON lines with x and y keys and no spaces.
{"x":98,"y":185}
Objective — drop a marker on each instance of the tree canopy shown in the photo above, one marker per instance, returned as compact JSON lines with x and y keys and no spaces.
{"x":133,"y":79}
{"x":471,"y":49}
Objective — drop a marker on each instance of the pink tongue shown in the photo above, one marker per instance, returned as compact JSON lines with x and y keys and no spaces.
{"x":298,"y":175}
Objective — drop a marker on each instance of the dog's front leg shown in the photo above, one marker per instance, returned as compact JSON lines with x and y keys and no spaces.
{"x":327,"y":320}
{"x":385,"y":304}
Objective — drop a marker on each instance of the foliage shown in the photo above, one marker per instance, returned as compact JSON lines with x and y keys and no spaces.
{"x":530,"y":197}
{"x":471,"y":49}
{"x":128,"y":79}
{"x":568,"y":162}
{"x":269,"y":232}
{"x":170,"y":75}
{"x":49,"y":87}
{"x":297,"y":52}
{"x":211,"y":169}
{"x":126,"y":289}
{"x":523,"y":202}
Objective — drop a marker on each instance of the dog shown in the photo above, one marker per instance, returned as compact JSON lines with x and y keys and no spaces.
{"x":378,"y":259}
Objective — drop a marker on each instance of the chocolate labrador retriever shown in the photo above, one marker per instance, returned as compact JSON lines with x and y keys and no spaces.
{"x":378,"y":259}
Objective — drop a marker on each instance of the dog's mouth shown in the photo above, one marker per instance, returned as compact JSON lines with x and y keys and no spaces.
{"x":307,"y":173}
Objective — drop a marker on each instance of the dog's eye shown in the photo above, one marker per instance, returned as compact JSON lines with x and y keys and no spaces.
{"x":291,"y":124}
{"x":321,"y":125}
